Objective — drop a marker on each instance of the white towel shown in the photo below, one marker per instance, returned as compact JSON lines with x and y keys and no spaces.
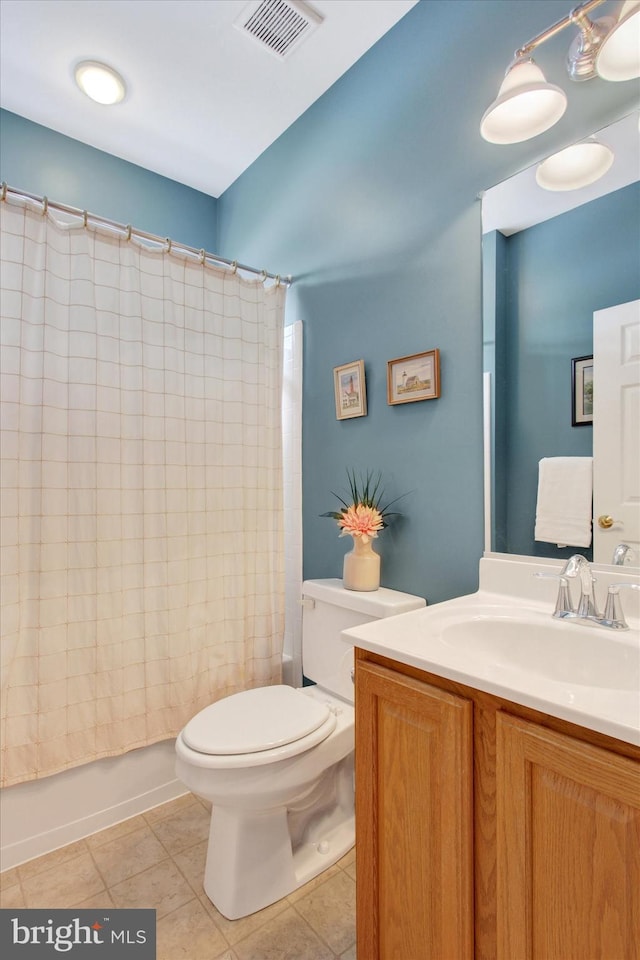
{"x":565,"y":490}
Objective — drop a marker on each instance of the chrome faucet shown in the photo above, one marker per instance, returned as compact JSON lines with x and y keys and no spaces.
{"x":579,"y":566}
{"x":620,"y":554}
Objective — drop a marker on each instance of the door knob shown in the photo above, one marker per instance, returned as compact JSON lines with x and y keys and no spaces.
{"x":605,"y":522}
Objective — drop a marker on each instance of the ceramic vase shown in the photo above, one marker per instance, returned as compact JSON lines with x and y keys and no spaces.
{"x":361,"y":569}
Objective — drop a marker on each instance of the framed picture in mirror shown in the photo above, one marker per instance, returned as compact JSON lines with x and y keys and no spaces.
{"x":581,"y":391}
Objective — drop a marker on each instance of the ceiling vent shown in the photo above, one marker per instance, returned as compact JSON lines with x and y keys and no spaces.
{"x":278,"y":25}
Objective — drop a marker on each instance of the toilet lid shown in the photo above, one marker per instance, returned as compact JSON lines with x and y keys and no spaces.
{"x":255,"y":720}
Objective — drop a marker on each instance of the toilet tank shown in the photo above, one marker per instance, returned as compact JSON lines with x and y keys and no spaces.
{"x":327,"y":610}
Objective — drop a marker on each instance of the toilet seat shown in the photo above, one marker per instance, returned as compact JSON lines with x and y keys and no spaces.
{"x":270,"y":719}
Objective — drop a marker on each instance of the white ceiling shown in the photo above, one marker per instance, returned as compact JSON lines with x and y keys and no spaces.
{"x":204,"y":100}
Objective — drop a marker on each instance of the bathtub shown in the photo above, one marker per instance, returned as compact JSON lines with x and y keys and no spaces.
{"x":41,"y":815}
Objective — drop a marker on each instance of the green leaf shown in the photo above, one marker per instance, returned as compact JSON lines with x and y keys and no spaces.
{"x":368,"y":491}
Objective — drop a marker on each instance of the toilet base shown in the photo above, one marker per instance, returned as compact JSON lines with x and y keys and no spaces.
{"x":312,"y":858}
{"x":250,"y":864}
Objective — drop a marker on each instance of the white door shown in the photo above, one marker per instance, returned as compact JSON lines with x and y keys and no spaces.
{"x":616,"y":430}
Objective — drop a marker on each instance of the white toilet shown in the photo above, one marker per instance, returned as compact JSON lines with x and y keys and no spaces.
{"x":277,"y":762}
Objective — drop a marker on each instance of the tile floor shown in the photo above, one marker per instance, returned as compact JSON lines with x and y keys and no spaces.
{"x":157,"y":860}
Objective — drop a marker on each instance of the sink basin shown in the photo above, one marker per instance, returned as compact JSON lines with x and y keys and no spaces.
{"x":503,"y":640}
{"x":565,"y":651}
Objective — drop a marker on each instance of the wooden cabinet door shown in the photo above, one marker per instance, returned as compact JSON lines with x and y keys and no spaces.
{"x":568,"y":847}
{"x":414,"y":796}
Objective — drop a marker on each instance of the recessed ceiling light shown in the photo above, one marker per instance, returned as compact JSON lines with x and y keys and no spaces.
{"x":100,"y":82}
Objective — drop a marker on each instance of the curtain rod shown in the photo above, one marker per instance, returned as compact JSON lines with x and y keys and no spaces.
{"x":169,"y":245}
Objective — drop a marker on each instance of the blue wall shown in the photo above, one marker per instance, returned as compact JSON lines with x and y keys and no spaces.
{"x":370,"y":200}
{"x":40,"y":161}
{"x":556,"y":275}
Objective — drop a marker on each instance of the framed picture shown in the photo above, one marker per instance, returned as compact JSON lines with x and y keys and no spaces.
{"x":581,"y":391}
{"x":414,"y":378}
{"x":350,"y":390}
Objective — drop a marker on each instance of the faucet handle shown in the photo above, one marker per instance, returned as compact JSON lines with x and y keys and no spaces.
{"x":564,"y":606}
{"x":613,"y":613}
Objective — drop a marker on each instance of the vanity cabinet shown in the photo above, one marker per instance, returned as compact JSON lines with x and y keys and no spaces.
{"x":568,"y":846}
{"x":487,"y":830}
{"x":414,"y":830}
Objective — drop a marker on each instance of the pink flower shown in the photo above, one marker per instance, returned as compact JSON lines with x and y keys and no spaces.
{"x":360,"y":521}
{"x":364,"y":514}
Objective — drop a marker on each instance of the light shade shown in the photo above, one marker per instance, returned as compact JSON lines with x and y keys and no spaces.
{"x":575,"y":167}
{"x":100,"y":82}
{"x":619,"y":54}
{"x":526,"y":105}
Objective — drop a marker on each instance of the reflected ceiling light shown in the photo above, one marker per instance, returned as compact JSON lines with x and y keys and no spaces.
{"x":575,"y":167}
{"x":100,"y":82}
{"x":527,"y":105}
{"x":619,"y":55}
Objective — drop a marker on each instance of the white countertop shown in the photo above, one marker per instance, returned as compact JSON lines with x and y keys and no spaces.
{"x":586,"y":674}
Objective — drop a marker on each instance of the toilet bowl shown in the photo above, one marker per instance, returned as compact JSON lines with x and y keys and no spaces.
{"x":276,"y":762}
{"x":279,"y":817}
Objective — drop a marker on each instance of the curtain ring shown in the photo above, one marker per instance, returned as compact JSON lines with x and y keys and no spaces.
{"x":128,"y":232}
{"x":277,"y":279}
{"x":85,"y":217}
{"x":263,"y":274}
{"x":202,"y":256}
{"x":45,"y":206}
{"x":234,"y":266}
{"x":3,"y":195}
{"x":168,"y":250}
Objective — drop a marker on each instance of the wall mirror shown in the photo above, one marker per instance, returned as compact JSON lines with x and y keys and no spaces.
{"x":550,"y":260}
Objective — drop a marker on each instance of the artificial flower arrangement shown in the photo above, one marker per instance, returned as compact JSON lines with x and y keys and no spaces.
{"x":364,"y":516}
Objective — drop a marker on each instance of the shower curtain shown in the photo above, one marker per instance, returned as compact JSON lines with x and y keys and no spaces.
{"x":142,"y":551}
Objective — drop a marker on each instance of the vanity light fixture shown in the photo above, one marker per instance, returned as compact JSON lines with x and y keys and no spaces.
{"x":527,"y":105}
{"x":574,"y":167}
{"x":581,"y":58}
{"x":619,"y":55}
{"x":100,"y":82}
